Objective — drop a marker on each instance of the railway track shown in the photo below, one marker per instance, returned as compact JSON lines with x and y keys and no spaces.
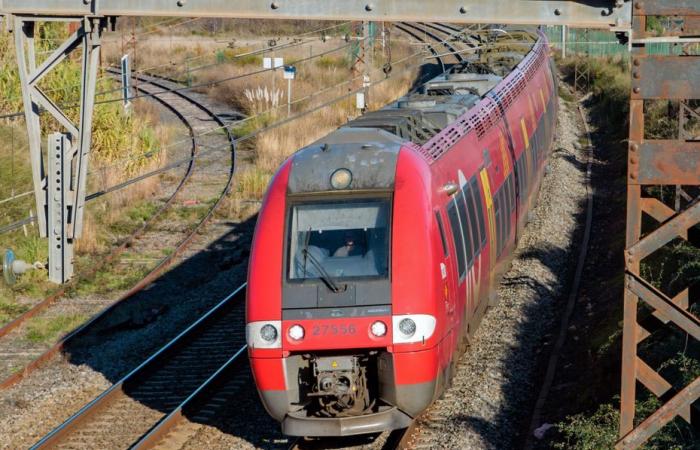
{"x":169,"y":396}
{"x":195,"y":373}
{"x":198,"y":120}
{"x":442,"y":40}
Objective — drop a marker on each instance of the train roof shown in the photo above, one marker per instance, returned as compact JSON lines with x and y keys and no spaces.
{"x":368,"y":145}
{"x":369,"y":154}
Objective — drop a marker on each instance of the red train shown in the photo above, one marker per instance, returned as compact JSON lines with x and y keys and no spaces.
{"x":378,"y":248}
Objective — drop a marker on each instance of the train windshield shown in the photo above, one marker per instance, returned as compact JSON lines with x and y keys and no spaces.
{"x":339,"y":240}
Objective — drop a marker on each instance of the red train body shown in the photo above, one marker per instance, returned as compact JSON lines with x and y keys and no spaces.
{"x":377,"y":248}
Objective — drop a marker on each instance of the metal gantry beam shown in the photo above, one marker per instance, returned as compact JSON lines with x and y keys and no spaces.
{"x":673,"y":163}
{"x":579,"y":13}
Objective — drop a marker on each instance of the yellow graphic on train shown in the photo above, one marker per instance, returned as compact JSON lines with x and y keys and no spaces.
{"x":544,"y":104}
{"x":492,"y":220}
{"x":504,"y":155}
{"x":533,"y":120}
{"x":526,"y":138}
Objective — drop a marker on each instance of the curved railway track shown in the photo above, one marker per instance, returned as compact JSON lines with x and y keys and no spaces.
{"x":444,"y":41}
{"x":188,"y":382}
{"x":198,"y":119}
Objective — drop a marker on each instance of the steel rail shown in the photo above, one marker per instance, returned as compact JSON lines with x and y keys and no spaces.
{"x":416,"y":36}
{"x":444,"y":42}
{"x":452,"y":32}
{"x":47,"y":356}
{"x":145,"y":281}
{"x":199,"y":397}
{"x":166,"y":424}
{"x":147,"y":369}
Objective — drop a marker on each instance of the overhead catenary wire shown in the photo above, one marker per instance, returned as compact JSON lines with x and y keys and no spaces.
{"x":206,"y":149}
{"x":184,"y":61}
{"x":192,"y":87}
{"x":213,"y":130}
{"x":151,"y":153}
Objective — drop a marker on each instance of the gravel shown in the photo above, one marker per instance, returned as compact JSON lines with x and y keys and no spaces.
{"x":214,"y":265}
{"x":493,"y":388}
{"x":495,"y":385}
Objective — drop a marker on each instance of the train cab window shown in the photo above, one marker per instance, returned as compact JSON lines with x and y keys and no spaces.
{"x":476,"y":193}
{"x":468,"y":243}
{"x":441,"y":229}
{"x":456,"y":228}
{"x":340,"y":239}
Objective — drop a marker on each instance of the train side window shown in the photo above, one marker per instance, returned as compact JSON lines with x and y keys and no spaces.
{"x":503,"y":229}
{"x":473,"y":222}
{"x":453,"y":217}
{"x":499,"y":221}
{"x":510,"y":193}
{"x":525,"y":168}
{"x":476,"y":196}
{"x":506,"y":217}
{"x":441,"y":228}
{"x":468,"y":241}
{"x":533,"y":146}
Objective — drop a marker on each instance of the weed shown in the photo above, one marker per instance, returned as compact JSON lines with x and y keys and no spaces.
{"x":9,"y":310}
{"x":565,"y":95}
{"x":253,"y":182}
{"x":47,"y":329}
{"x":333,"y":62}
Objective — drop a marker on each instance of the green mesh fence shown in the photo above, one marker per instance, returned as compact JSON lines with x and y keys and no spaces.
{"x":601,"y":43}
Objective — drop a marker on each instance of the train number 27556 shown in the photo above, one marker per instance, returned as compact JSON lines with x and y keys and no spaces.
{"x":333,"y":330}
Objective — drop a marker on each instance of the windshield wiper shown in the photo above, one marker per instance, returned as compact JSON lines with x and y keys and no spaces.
{"x":305,"y":250}
{"x":330,"y":282}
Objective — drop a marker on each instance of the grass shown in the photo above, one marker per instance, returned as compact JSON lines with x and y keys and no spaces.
{"x":9,"y":310}
{"x":333,"y":62}
{"x":43,"y":329}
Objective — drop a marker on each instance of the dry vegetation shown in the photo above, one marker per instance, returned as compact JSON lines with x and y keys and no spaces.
{"x":127,"y":145}
{"x":124,"y":145}
{"x":220,"y":68}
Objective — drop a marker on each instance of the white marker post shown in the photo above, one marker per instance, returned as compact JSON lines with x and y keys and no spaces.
{"x":290,"y":73}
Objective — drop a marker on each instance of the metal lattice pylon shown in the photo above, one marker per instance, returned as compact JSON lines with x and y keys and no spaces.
{"x":668,"y":162}
{"x":582,"y":66}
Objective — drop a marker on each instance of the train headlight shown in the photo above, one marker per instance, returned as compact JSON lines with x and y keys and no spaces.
{"x":412,"y":328}
{"x":268,"y":333}
{"x":407,"y":327}
{"x":378,"y":328}
{"x":296,"y":332}
{"x":263,"y":334}
{"x":341,"y":179}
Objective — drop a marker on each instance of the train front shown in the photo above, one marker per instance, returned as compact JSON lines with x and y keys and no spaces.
{"x":321,"y":329}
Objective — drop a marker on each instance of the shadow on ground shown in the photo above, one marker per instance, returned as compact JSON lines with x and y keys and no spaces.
{"x":139,"y":326}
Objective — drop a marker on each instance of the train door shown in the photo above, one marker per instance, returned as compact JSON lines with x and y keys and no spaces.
{"x":491,"y":219}
{"x":490,"y":214}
